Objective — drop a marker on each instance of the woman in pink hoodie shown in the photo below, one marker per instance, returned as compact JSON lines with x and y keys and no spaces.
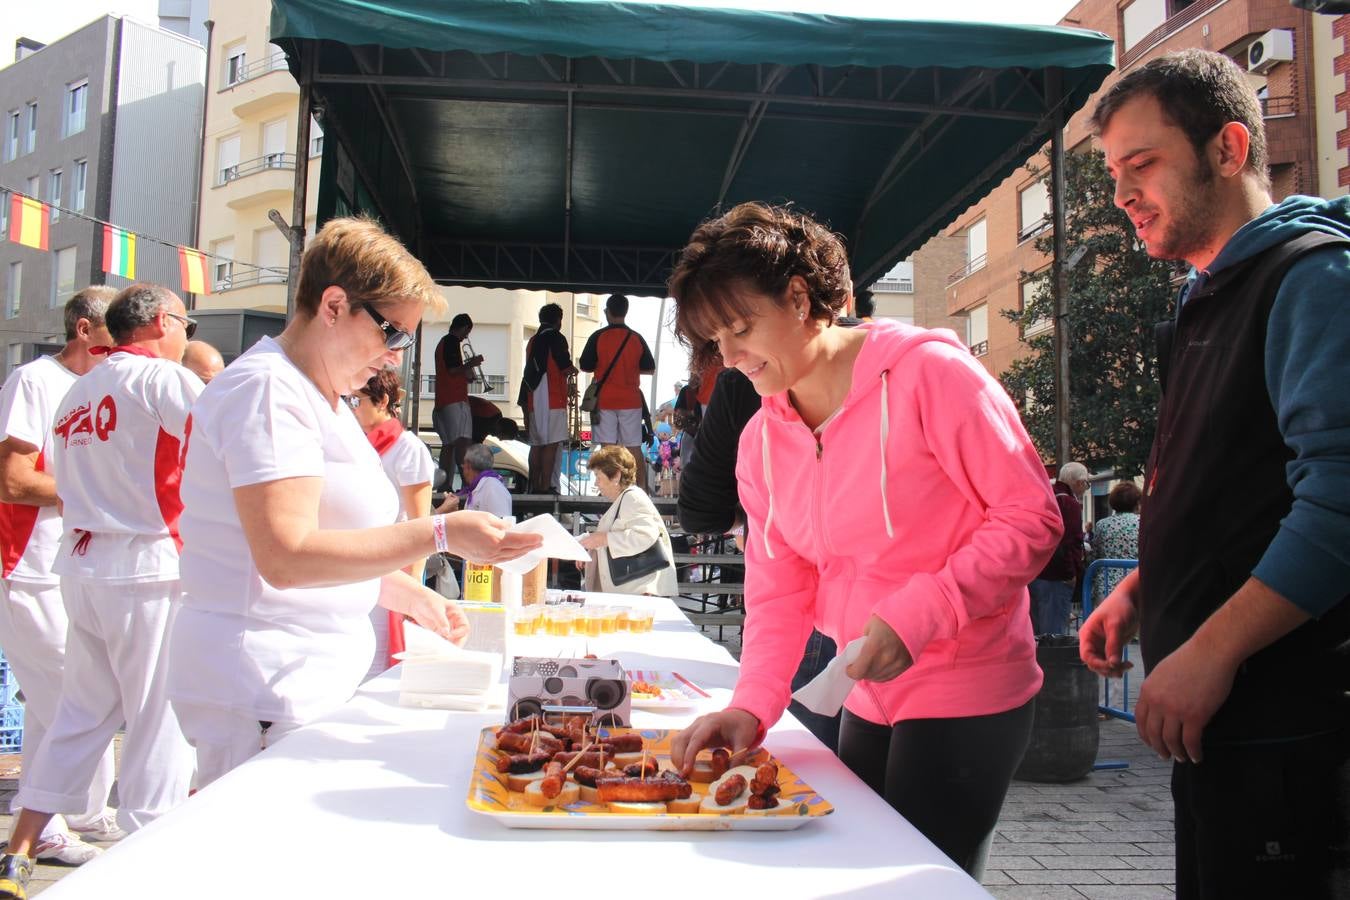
{"x":892,"y":495}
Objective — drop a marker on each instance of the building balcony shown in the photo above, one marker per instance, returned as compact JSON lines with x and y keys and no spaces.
{"x":971,"y":266}
{"x":1279,"y":107}
{"x":260,"y":86}
{"x":1174,"y":23}
{"x":893,"y":286}
{"x":268,"y":180}
{"x":495,"y":390}
{"x":980,"y":349}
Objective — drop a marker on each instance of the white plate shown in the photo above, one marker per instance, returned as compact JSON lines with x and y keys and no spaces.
{"x":677,"y":692}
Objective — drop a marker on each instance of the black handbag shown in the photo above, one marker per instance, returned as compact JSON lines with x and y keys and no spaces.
{"x":623,"y":569}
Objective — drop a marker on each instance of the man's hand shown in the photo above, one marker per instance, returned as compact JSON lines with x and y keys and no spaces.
{"x":733,"y":728}
{"x":449,"y":504}
{"x":1178,"y":699}
{"x":483,"y":538}
{"x":474,"y":361}
{"x":1108,"y":631}
{"x":883,"y":656}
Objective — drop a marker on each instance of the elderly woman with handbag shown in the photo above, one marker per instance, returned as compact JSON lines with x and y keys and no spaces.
{"x":631,"y":551}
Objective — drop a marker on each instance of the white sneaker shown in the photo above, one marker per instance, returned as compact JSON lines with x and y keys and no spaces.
{"x":102,"y":827}
{"x":66,"y":849}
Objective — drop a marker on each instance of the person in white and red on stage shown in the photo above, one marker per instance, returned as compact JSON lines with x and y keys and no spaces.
{"x":117,"y":446}
{"x":32,"y":614}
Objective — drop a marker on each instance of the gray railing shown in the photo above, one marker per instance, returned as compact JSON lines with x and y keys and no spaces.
{"x":253,"y":166}
{"x":974,"y":265}
{"x":273,"y":62}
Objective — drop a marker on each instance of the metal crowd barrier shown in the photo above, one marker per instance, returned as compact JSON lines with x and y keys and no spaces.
{"x":1122,"y":711}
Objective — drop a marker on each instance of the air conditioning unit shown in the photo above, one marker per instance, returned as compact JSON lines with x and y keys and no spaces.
{"x":1273,"y":47}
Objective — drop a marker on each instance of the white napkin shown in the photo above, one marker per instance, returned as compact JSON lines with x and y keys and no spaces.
{"x":432,"y":666}
{"x":825,"y":694}
{"x":558,"y":544}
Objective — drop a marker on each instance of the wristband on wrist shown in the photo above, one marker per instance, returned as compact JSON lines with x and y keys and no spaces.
{"x":438,"y":534}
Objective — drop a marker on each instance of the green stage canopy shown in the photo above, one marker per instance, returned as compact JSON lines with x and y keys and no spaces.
{"x":575,"y":144}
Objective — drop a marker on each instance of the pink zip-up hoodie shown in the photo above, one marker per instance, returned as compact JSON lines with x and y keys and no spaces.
{"x":923,"y":502}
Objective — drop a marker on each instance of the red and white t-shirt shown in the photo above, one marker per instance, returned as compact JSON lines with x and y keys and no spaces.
{"x":29,"y":535}
{"x":117,"y":441}
{"x":408,"y":462}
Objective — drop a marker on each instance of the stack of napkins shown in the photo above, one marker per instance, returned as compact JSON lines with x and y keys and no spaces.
{"x":438,"y":674}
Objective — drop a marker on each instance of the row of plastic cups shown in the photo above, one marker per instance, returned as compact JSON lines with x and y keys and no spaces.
{"x":566,"y":619}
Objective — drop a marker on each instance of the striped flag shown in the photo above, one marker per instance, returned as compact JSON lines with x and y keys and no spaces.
{"x":119,"y":252}
{"x":192,"y":265}
{"x":29,"y":221}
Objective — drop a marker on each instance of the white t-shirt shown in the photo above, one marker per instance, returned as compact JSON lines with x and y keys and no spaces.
{"x":238,"y":642}
{"x":408,"y":462}
{"x":29,"y":535}
{"x":117,"y":443}
{"x":491,"y":496}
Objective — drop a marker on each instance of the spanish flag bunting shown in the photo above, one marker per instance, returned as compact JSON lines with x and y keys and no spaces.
{"x":192,"y":265}
{"x":29,"y":221}
{"x":119,"y":252}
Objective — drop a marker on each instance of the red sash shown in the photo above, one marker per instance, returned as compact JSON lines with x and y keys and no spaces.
{"x":382,"y":437}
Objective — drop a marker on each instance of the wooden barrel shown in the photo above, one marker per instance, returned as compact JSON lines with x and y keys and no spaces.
{"x":1065,"y":734}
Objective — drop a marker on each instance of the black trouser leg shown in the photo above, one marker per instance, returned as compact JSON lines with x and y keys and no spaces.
{"x":948,"y":777}
{"x":819,"y":651}
{"x":1265,"y":820}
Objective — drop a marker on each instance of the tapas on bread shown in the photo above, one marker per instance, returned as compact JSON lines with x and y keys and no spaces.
{"x":536,"y":774}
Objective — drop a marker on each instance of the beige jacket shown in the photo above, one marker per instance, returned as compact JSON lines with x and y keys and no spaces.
{"x":632,"y":523}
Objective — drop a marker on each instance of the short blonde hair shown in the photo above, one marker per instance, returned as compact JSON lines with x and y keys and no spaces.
{"x":616,"y":462}
{"x":370,"y":265}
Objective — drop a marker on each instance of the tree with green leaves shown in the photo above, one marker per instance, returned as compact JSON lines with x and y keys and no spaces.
{"x":1116,"y":294}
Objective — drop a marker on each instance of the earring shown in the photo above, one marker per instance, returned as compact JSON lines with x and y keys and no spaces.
{"x":801,"y":317}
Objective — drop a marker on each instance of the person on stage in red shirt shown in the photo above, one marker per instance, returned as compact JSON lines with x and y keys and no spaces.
{"x":450,"y":416}
{"x":617,"y":356}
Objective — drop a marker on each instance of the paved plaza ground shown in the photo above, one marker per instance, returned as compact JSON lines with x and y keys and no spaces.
{"x":1106,"y":837}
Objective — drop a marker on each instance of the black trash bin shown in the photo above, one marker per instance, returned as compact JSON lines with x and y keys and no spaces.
{"x":1065,"y":735}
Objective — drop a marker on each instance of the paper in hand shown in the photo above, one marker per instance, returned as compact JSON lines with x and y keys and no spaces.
{"x":558,"y":544}
{"x":825,"y":694}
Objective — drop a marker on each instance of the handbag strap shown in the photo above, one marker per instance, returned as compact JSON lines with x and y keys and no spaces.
{"x":615,"y":361}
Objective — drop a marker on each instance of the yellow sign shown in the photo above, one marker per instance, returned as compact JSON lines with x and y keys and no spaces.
{"x":478,"y":582}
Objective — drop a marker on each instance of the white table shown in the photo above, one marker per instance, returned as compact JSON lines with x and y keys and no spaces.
{"x":370,"y":802}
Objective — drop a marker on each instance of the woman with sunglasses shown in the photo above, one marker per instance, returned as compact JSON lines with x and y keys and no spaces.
{"x":289,"y":527}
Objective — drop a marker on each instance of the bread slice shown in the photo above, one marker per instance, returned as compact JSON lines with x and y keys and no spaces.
{"x":534,"y":794}
{"x":519,"y":783}
{"x":634,"y":808}
{"x":735,"y":807}
{"x":688,"y":805}
{"x":784,"y":808}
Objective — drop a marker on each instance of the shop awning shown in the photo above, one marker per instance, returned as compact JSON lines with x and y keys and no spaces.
{"x":574,"y":144}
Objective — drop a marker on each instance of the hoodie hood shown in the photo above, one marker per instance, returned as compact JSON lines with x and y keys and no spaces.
{"x":1287,"y":219}
{"x":886,"y":344}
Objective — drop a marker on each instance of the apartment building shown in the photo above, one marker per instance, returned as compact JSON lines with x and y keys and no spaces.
{"x":93,"y":124}
{"x":249,"y":160}
{"x":915,"y":291}
{"x":1296,"y":62}
{"x":249,"y":163}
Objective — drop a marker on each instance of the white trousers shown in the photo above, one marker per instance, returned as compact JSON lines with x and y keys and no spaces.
{"x":33,"y":635}
{"x":115,"y":673}
{"x":224,"y":739}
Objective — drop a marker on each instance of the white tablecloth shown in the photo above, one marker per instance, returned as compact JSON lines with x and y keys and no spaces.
{"x":370,"y":802}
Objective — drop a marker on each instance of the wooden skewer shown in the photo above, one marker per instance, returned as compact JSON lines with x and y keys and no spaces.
{"x":644,"y":764}
{"x":576,"y":759}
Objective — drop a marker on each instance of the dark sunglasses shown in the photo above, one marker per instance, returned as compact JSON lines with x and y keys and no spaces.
{"x":189,"y":325}
{"x":395,"y":338}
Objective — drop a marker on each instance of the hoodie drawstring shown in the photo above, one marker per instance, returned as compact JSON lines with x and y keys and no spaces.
{"x":885,"y":431}
{"x":768,"y":482}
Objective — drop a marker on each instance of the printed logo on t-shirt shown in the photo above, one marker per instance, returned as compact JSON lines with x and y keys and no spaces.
{"x":77,"y":423}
